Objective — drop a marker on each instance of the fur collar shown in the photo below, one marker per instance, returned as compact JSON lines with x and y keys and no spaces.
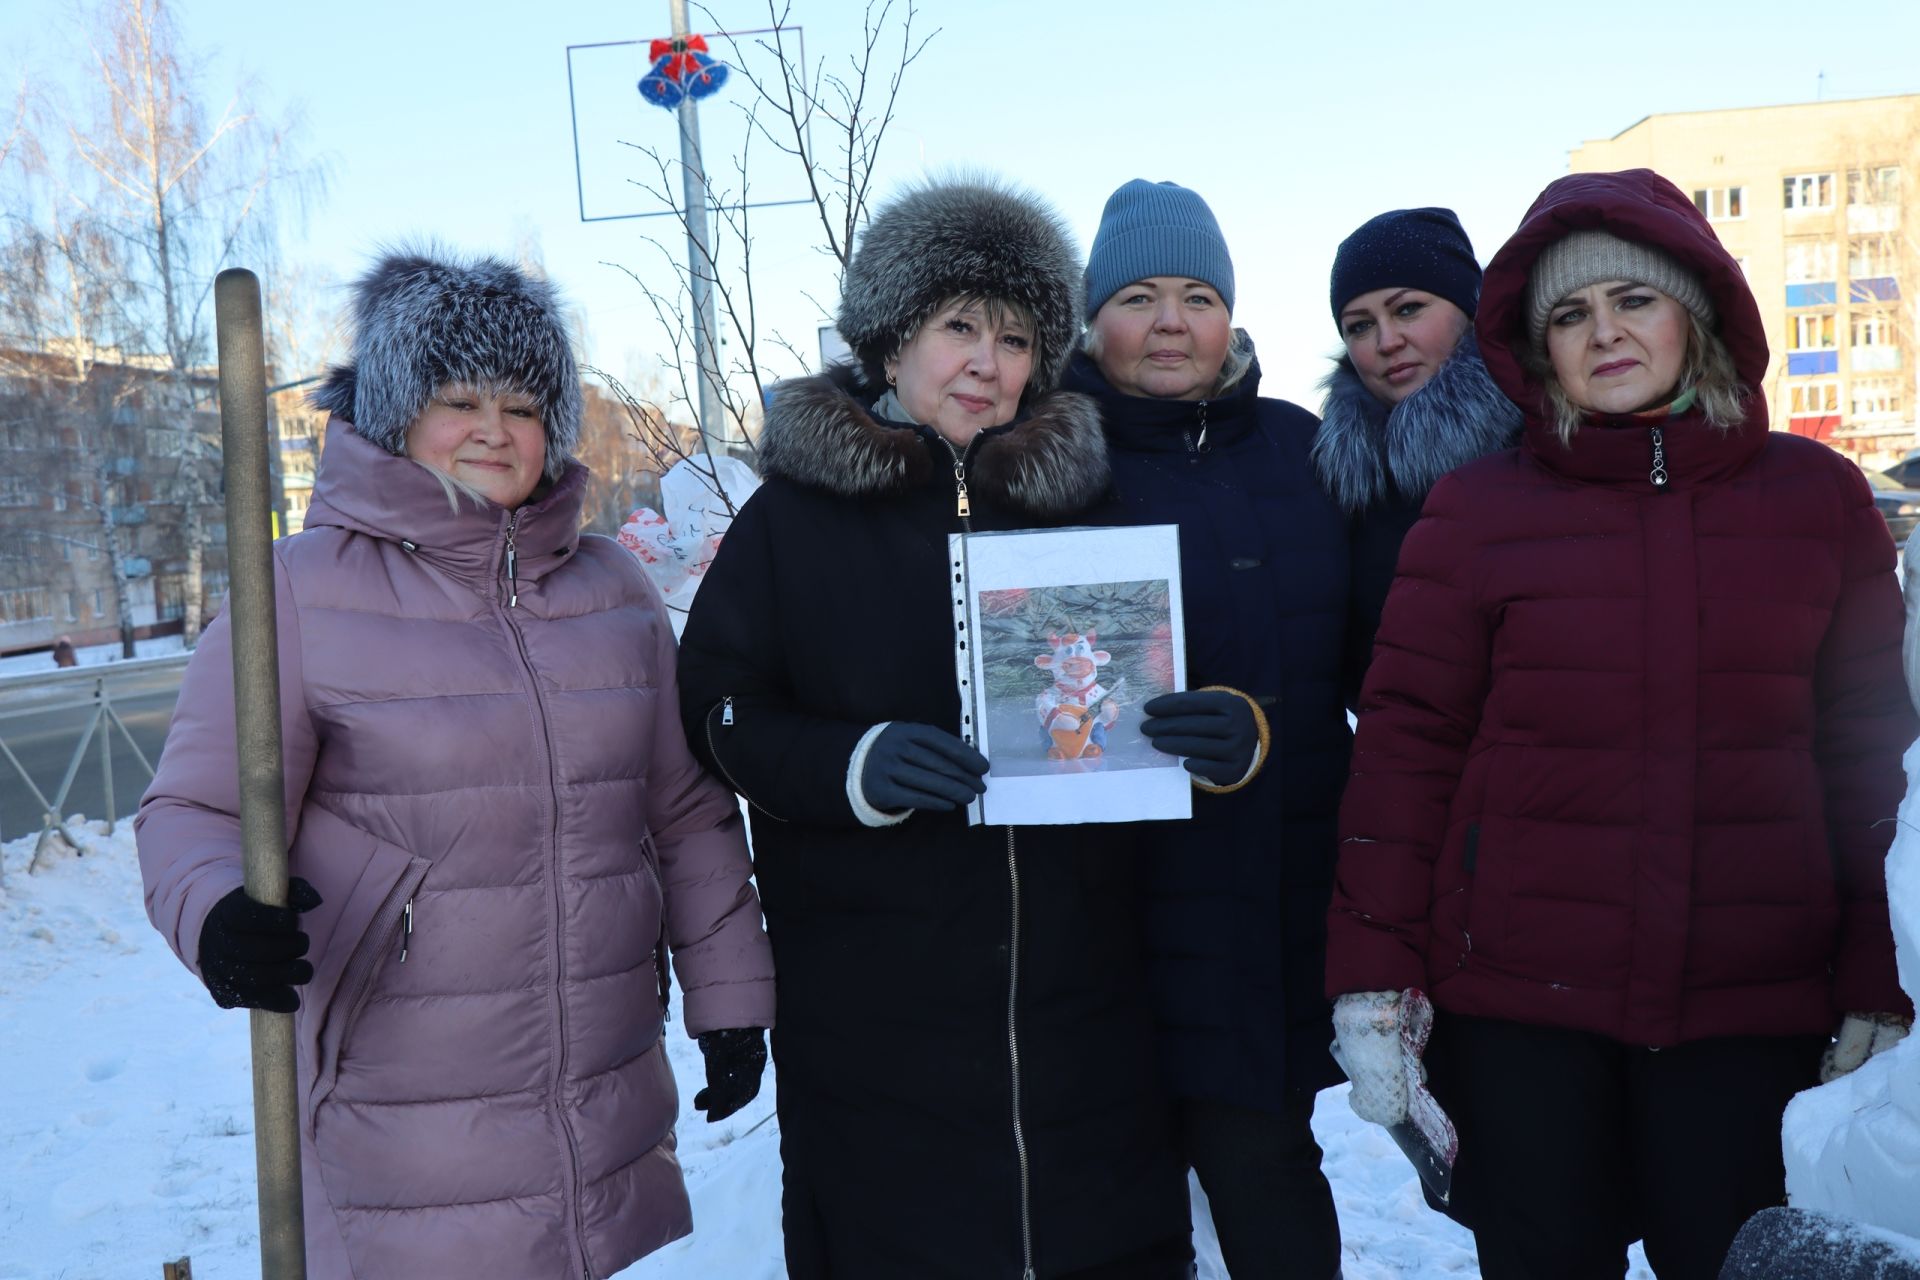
{"x":1365,"y":452}
{"x":1050,"y":464}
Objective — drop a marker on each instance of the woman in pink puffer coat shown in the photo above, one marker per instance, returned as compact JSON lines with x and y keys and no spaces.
{"x":495,"y":826}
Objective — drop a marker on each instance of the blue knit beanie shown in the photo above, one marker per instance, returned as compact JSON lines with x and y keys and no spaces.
{"x":1423,"y":249}
{"x":1156,"y":229}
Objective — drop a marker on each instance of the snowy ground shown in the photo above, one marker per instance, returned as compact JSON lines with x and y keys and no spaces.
{"x":93,"y":655}
{"x":126,"y":1115}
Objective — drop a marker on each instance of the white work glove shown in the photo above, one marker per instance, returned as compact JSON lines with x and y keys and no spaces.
{"x":1366,"y":1044}
{"x":1861,"y":1036}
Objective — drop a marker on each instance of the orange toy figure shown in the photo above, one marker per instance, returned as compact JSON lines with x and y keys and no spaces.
{"x":1076,"y":709}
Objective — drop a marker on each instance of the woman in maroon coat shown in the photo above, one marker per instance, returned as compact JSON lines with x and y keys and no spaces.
{"x":1628,"y":756}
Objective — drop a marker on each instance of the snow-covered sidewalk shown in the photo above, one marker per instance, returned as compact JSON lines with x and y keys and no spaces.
{"x":126,"y":1117}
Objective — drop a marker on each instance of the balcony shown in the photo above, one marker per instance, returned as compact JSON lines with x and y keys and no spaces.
{"x":1873,"y":289}
{"x":1802,"y":363}
{"x":1819,"y":293}
{"x":1875,"y":359}
{"x":1873,"y":217}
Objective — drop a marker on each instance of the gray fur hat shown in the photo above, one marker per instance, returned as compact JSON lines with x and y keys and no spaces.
{"x":971,"y":238}
{"x":420,"y":322}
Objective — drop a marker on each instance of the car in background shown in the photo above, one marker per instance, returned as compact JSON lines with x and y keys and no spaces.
{"x":1897,"y":503}
{"x":1906,"y":471}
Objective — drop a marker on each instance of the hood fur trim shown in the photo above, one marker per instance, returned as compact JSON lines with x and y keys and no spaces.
{"x":421,"y":322}
{"x":1052,"y":464}
{"x":1364,"y":451}
{"x":970,"y":238}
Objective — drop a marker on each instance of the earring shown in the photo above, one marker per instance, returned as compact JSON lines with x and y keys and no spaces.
{"x":890,"y":377}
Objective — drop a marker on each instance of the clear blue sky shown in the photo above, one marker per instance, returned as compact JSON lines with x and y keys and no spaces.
{"x":1296,"y":122}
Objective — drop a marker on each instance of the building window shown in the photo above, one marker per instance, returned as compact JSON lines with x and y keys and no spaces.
{"x":18,"y":491}
{"x":1813,"y":332}
{"x":73,"y":606}
{"x":170,"y":596}
{"x":1817,"y":398}
{"x":99,"y":602}
{"x":1721,"y":204}
{"x":1872,"y":256}
{"x":1871,"y":329}
{"x":1876,"y":397}
{"x":1811,"y":260}
{"x":1808,"y":191}
{"x":1877,"y":185}
{"x":25,"y":604}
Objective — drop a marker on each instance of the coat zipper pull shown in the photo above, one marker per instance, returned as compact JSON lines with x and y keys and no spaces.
{"x":961,"y":506}
{"x":513,"y":582}
{"x":1659,"y":473}
{"x":406,"y":929}
{"x":726,"y":711}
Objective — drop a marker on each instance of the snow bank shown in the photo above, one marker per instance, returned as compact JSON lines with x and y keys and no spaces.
{"x":1853,"y":1147}
{"x":92,"y":656}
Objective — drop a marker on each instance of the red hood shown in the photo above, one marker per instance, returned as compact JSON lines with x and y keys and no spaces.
{"x":1634,"y":204}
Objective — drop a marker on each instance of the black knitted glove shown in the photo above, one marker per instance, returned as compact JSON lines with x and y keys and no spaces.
{"x":736,"y":1059}
{"x":250,"y":953}
{"x":1214,"y":731}
{"x":916,"y":766}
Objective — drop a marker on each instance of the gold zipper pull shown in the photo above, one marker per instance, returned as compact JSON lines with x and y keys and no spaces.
{"x":961,"y":507}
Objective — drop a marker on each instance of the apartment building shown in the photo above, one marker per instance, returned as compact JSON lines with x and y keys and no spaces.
{"x":1812,"y":199}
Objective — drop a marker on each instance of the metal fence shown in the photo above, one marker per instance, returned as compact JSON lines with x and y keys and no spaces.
{"x":39,"y":693}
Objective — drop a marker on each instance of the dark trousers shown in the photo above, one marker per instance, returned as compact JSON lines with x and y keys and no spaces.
{"x":1272,"y":1207}
{"x":1572,"y":1145}
{"x":1168,"y":1260}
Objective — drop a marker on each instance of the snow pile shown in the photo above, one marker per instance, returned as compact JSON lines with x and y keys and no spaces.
{"x":1799,"y":1242}
{"x":1853,"y":1147}
{"x":126,"y":1127}
{"x":41,"y":663}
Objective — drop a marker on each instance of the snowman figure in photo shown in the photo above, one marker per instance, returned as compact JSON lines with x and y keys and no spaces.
{"x":1852,"y":1146}
{"x":1076,"y":709}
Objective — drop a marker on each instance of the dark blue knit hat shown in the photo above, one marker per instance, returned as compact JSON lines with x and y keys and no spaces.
{"x":1156,"y":229}
{"x":1408,"y":249}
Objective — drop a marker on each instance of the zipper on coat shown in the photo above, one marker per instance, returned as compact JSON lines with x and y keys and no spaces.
{"x":406,"y":929}
{"x":962,"y":505}
{"x":1658,"y":476}
{"x":513,"y":582}
{"x":726,"y":719}
{"x":559,"y":926}
{"x":1197,"y":445}
{"x":1013,"y":1059}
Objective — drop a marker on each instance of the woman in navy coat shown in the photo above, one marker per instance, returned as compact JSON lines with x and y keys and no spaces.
{"x":1236,"y":913}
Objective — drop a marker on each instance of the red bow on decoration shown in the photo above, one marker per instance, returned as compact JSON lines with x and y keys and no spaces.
{"x":680,"y":64}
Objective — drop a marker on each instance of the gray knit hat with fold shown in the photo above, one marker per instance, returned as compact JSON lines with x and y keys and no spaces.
{"x":1156,"y":229}
{"x":1589,"y":257}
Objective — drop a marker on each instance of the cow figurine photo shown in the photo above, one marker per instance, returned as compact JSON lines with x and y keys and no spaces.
{"x":1076,"y":709}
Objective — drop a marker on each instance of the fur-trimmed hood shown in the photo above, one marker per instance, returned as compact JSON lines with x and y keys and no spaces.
{"x":420,"y":322}
{"x":973,"y":238}
{"x":1366,"y":451}
{"x":1049,"y":464}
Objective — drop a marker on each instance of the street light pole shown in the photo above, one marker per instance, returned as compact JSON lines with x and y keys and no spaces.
{"x":706,"y":333}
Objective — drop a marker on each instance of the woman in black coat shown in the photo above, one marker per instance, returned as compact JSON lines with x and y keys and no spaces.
{"x":1409,"y":399}
{"x":964,"y":1049}
{"x":1237,"y":911}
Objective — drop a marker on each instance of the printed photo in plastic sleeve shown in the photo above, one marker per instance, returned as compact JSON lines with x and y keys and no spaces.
{"x":1063,"y":634}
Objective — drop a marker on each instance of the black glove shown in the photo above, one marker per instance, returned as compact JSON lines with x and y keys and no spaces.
{"x":916,"y":766}
{"x":250,"y":952}
{"x":1215,"y":732}
{"x":736,"y":1059}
